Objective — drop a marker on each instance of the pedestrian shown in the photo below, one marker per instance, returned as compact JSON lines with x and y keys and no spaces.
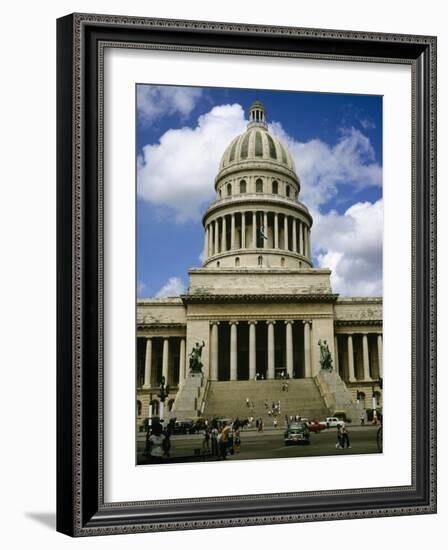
{"x":275,"y":422}
{"x":345,"y":438}
{"x":257,"y":423}
{"x":156,"y":443}
{"x":247,"y":402}
{"x":224,"y":441}
{"x":236,"y":441}
{"x":266,"y":405}
{"x":214,"y":439}
{"x":206,"y":440}
{"x":168,"y":431}
{"x":286,"y":386}
{"x":260,"y":425}
{"x":362,"y":419}
{"x":339,"y":437}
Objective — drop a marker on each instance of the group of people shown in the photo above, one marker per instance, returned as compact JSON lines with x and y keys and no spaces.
{"x":222,"y":438}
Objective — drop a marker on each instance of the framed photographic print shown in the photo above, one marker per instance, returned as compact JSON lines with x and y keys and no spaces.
{"x":246,"y":274}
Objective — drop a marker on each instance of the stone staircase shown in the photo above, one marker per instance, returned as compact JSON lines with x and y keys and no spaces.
{"x":228,"y":399}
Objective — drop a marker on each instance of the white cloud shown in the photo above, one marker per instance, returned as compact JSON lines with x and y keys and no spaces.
{"x":173,"y":287}
{"x":179,"y":171}
{"x":351,"y":245}
{"x":154,"y":102}
{"x":141,"y":288}
{"x":322,"y":168}
{"x":367,"y":124}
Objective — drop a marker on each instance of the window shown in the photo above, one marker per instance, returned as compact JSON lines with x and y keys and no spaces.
{"x":237,"y":262}
{"x":229,"y":189}
{"x":288,"y":191}
{"x":282,"y":262}
{"x":220,"y":193}
{"x":259,"y":186}
{"x":218,"y":264}
{"x":260,"y":260}
{"x":242,"y":186}
{"x":139,"y":408}
{"x":275,"y":187}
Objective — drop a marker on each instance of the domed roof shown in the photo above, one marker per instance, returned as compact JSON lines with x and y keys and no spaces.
{"x":254,"y":145}
{"x":257,"y":144}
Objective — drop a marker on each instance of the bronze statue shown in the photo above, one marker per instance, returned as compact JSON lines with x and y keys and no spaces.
{"x":326,"y":362}
{"x":195,"y":357}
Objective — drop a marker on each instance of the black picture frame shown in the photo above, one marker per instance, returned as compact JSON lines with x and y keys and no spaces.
{"x":81,"y":510}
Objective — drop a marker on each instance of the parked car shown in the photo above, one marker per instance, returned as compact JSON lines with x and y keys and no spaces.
{"x":297,"y":433}
{"x":332,"y":422}
{"x":184,"y":427}
{"x":315,"y":426}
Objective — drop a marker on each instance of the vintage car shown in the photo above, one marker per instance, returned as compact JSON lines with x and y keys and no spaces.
{"x":315,"y":426}
{"x":297,"y":433}
{"x":185,"y":426}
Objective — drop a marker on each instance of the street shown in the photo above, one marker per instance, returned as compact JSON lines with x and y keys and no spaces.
{"x":269,"y":444}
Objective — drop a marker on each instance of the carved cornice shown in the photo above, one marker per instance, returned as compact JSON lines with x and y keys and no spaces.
{"x":257,"y":298}
{"x":358,"y":322}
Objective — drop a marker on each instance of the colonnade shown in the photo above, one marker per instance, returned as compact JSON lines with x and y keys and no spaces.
{"x":361,"y":371}
{"x":287,"y":367}
{"x":150,"y":362}
{"x":241,"y":230}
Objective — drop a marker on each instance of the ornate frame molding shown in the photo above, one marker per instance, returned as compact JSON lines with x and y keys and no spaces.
{"x":82,"y":38}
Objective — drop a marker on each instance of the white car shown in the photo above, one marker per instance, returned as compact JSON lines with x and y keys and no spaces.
{"x":332,"y":421}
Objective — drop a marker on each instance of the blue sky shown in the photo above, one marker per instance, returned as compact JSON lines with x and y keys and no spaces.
{"x":335,"y":139}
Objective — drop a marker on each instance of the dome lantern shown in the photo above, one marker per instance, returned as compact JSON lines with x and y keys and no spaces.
{"x":257,"y":115}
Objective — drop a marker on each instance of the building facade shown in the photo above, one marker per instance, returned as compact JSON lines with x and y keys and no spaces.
{"x":257,"y":305}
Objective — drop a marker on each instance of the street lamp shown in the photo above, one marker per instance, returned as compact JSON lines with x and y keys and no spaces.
{"x":164,"y":391}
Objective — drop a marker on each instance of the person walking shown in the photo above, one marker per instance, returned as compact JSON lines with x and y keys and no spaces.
{"x":206,"y":440}
{"x":224,"y":441}
{"x":345,"y":437}
{"x":214,"y":439}
{"x":339,"y":436}
{"x":237,"y":441}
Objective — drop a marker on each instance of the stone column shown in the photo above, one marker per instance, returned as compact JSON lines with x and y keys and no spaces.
{"x":214,"y":352}
{"x":243,"y":230}
{"x":148,"y":363}
{"x":210,"y":239}
{"x":233,"y":351}
{"x":206,"y":245}
{"x":276,"y":230}
{"x":336,"y":355}
{"x":380,"y":355}
{"x":307,"y":348}
{"x":165,"y":357}
{"x":265,"y":224}
{"x":182,"y":361}
{"x":232,"y":233}
{"x":216,"y":237}
{"x":294,"y":235}
{"x":351,"y":363}
{"x":285,"y":233}
{"x":271,"y":351}
{"x":365,"y":357}
{"x":223,"y":235}
{"x":308,"y":243}
{"x":289,"y":349}
{"x":252,"y":350}
{"x":254,"y":230}
{"x":301,"y":251}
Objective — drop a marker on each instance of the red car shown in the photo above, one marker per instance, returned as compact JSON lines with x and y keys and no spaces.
{"x":315,"y":426}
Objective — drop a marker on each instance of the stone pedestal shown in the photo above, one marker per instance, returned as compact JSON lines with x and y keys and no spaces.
{"x":336,"y":395}
{"x":187,"y":403}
